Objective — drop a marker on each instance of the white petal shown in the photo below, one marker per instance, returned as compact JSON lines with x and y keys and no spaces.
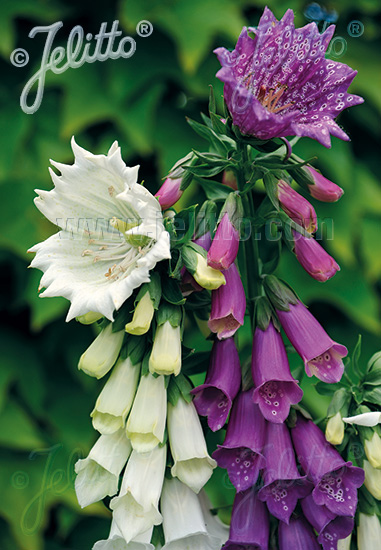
{"x":368,"y":532}
{"x":102,"y":354}
{"x":344,"y":544}
{"x":365,"y":419}
{"x":214,"y":525}
{"x":116,"y":541}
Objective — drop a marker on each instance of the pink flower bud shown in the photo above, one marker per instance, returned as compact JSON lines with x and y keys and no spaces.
{"x":313,"y":258}
{"x":323,"y":190}
{"x":224,"y":248}
{"x":297,"y":207}
{"x":169,"y":193}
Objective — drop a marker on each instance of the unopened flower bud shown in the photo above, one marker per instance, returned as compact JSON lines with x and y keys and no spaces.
{"x":368,"y":532}
{"x":142,"y":318}
{"x":102,"y":354}
{"x":373,"y":450}
{"x":313,"y":258}
{"x":372,"y":479}
{"x":323,"y":189}
{"x":165,"y":357}
{"x":169,"y":193}
{"x":297,"y":207}
{"x":334,"y":432}
{"x":196,"y":263}
{"x":89,"y":318}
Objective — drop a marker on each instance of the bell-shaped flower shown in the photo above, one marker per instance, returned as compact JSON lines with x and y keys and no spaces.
{"x":297,"y":207}
{"x":102,"y":353}
{"x":185,"y":530}
{"x":116,"y":398}
{"x":192,"y":463}
{"x":283,"y":485}
{"x":368,"y":532}
{"x":228,"y":305}
{"x":214,"y":525}
{"x":334,"y":432}
{"x":372,"y":448}
{"x":135,"y":509}
{"x":276,"y":390}
{"x":165,"y":357}
{"x":322,"y":189}
{"x":297,"y":534}
{"x":146,"y":423}
{"x":112,"y":233}
{"x":195,"y":261}
{"x":368,"y":419}
{"x":169,"y":193}
{"x":330,"y":528}
{"x":214,"y":398}
{"x":249,"y":527}
{"x":143,"y":315}
{"x":372,"y":479}
{"x":116,"y":541}
{"x":336,"y":481}
{"x":313,"y":258}
{"x":98,"y":474}
{"x":321,"y":355}
{"x":241,"y":452}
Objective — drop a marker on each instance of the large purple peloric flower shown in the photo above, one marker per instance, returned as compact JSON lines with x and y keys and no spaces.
{"x":278,"y":83}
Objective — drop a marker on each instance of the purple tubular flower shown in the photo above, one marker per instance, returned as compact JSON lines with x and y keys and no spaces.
{"x":204,"y":241}
{"x":321,"y":355}
{"x":275,"y":389}
{"x":215,"y":397}
{"x":169,"y":193}
{"x":283,"y":483}
{"x":279,"y":83}
{"x":297,"y":535}
{"x":313,"y":258}
{"x":335,"y":480}
{"x":330,"y":527}
{"x":241,"y":453}
{"x":228,"y":305}
{"x":297,"y":207}
{"x":249,"y":527}
{"x":323,"y":190}
{"x":225,"y":244}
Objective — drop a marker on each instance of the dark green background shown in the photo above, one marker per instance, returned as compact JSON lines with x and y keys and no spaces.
{"x":142,"y":102}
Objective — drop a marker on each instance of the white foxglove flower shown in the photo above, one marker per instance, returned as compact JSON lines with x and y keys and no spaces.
{"x":116,"y":541}
{"x":334,"y":432}
{"x":344,"y":544}
{"x":112,"y":233}
{"x":372,"y":480}
{"x":146,"y":423}
{"x":368,"y":532}
{"x":192,"y":463}
{"x":98,"y":474}
{"x":365,"y":419}
{"x":373,"y":450}
{"x":136,"y":507}
{"x":183,"y":521}
{"x":101,"y":355}
{"x":142,"y":318}
{"x":165,"y":357}
{"x":214,"y":525}
{"x":116,"y":398}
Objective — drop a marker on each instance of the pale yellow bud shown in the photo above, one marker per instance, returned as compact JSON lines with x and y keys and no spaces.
{"x":166,"y":351}
{"x":89,"y":318}
{"x":143,"y":314}
{"x":372,"y":480}
{"x":206,"y":276}
{"x":102,"y":354}
{"x":334,"y":432}
{"x":373,"y":450}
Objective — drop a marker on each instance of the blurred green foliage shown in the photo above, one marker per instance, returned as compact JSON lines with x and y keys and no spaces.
{"x":142,"y":102}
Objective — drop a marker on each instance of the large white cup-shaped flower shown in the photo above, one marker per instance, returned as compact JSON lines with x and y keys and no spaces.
{"x":368,"y":532}
{"x":183,"y":521}
{"x":112,"y":233}
{"x":98,"y":474}
{"x":116,"y":541}
{"x":136,"y":507}
{"x":146,"y":423}
{"x":116,"y":398}
{"x":193,"y":465}
{"x":102,"y":353}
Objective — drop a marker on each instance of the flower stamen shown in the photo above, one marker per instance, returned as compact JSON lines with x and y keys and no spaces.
{"x":271,"y":98}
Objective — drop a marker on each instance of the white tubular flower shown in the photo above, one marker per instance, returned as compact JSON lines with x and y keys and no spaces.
{"x":372,"y":480}
{"x":369,"y":533}
{"x":344,"y":544}
{"x":334,"y":432}
{"x":165,"y":357}
{"x":98,"y":474}
{"x":146,"y":423}
{"x":142,"y":318}
{"x":112,"y":233}
{"x":116,"y":398}
{"x":116,"y":541}
{"x":365,"y":419}
{"x":136,"y":507}
{"x":193,"y":465}
{"x":373,"y":450}
{"x":214,"y":525}
{"x":183,"y":522}
{"x":101,"y":355}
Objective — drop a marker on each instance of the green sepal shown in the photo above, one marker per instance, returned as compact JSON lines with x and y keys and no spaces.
{"x":292,"y":418}
{"x":186,"y":180}
{"x":171,"y":292}
{"x":339,"y":403}
{"x":271,"y":187}
{"x":154,"y":289}
{"x":301,"y":176}
{"x":145,"y":364}
{"x":206,"y":219}
{"x":373,"y":377}
{"x":135,"y":348}
{"x":217,"y":123}
{"x":189,"y":255}
{"x":233,"y":207}
{"x":179,"y":386}
{"x":123,"y":315}
{"x":279,"y":293}
{"x":175,"y":264}
{"x":247,"y":377}
{"x":367,"y":504}
{"x":169,"y":312}
{"x":373,"y":396}
{"x":323,"y":388}
{"x":184,"y":224}
{"x":374,"y":362}
{"x":212,"y":100}
{"x":264,"y":313}
{"x":158,"y":539}
{"x":214,"y":190}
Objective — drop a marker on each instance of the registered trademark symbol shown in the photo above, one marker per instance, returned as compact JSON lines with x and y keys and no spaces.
{"x":144,"y":28}
{"x":355,"y":29}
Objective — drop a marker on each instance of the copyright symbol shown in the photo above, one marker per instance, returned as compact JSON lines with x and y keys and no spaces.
{"x":20,"y":480}
{"x":19,"y":57}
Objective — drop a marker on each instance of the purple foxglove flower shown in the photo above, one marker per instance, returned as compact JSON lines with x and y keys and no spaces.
{"x":297,"y":207}
{"x":225,"y":244}
{"x":335,"y":480}
{"x":283,"y":485}
{"x":205,"y":241}
{"x":323,"y":190}
{"x":297,"y":535}
{"x":330,"y":527}
{"x":228,"y":305}
{"x":249,"y":527}
{"x":241,"y":453}
{"x":215,"y":397}
{"x":321,"y":355}
{"x":169,"y":193}
{"x":280,"y":84}
{"x":275,"y":389}
{"x":313,"y":258}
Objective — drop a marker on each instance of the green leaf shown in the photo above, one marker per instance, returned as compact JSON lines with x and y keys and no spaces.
{"x":214,"y":190}
{"x":185,"y":223}
{"x":172,"y":292}
{"x":340,"y":401}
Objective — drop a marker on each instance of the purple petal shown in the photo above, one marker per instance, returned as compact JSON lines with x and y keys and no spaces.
{"x":313,"y":258}
{"x":213,"y":403}
{"x":339,"y":528}
{"x":282,"y":496}
{"x":275,"y":399}
{"x":242,"y":464}
{"x":337,"y":490}
{"x":225,"y":244}
{"x":297,"y":535}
